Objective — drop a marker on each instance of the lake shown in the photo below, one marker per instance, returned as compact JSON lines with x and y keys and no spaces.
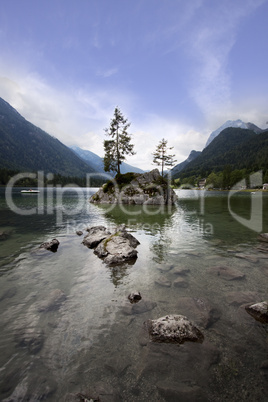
{"x":93,"y":342}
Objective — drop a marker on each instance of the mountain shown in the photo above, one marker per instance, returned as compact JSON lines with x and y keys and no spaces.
{"x":182,"y":165}
{"x":25,"y":147}
{"x":237,"y":147}
{"x":235,"y":124}
{"x":89,"y":157}
{"x":97,"y":162}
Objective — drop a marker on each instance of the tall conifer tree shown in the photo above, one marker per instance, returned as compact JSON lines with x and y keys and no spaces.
{"x":161,"y":158}
{"x":119,"y":146}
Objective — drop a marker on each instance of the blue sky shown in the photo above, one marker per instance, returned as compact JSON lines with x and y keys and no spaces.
{"x":177,"y":69}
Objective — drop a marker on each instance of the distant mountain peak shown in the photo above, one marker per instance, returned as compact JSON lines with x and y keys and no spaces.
{"x":193,"y":155}
{"x":96,"y":161}
{"x":233,"y":123}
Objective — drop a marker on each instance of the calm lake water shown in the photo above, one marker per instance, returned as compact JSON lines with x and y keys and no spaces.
{"x":93,"y":341}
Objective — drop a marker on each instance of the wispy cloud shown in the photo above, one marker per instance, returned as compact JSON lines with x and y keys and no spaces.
{"x":210,"y":45}
{"x":73,"y":115}
{"x":108,"y":73}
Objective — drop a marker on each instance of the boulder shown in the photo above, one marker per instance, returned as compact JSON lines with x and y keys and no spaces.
{"x":51,"y":245}
{"x":118,"y":248}
{"x":134,"y":297}
{"x":259,"y":311}
{"x":149,"y":188}
{"x":173,"y":329}
{"x":263,"y":237}
{"x":95,"y":235}
{"x":114,"y":248}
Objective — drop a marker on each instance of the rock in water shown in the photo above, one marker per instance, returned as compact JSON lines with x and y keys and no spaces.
{"x":199,"y":310}
{"x":134,"y":297}
{"x":55,"y":299}
{"x":31,"y":338}
{"x":51,"y":245}
{"x":259,"y":311}
{"x":227,"y":273}
{"x":118,"y":248}
{"x":173,"y":329}
{"x":263,"y":237}
{"x":95,"y":235}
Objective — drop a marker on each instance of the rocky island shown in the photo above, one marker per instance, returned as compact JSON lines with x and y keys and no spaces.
{"x":149,"y":188}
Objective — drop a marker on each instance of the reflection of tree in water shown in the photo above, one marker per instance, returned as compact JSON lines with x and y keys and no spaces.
{"x":152,"y":220}
{"x":119,"y":272}
{"x":161,"y":246}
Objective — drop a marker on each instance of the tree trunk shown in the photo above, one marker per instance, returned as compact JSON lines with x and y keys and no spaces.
{"x":117,"y":149}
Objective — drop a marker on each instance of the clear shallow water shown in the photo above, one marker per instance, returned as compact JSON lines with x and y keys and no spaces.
{"x":94,"y":341}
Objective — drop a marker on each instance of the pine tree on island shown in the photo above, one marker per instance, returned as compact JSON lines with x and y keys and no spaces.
{"x":119,"y":146}
{"x":161,"y":158}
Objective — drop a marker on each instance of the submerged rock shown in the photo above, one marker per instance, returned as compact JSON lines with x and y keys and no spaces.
{"x":53,"y":302}
{"x":180,"y":283}
{"x":259,"y":311}
{"x":180,"y":271}
{"x":240,"y":297}
{"x":174,"y":391}
{"x":31,"y":338}
{"x":227,"y":273}
{"x":8,"y":294}
{"x":149,"y":188}
{"x":249,"y":258}
{"x":173,"y":329}
{"x":139,"y":308}
{"x":163,"y":281}
{"x":198,"y":309}
{"x":51,"y":245}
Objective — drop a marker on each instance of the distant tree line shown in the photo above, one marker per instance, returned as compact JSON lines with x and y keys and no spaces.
{"x":7,"y":174}
{"x":225,"y":179}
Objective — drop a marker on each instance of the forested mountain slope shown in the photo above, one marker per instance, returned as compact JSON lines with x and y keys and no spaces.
{"x":239,"y":148}
{"x":25,"y":147}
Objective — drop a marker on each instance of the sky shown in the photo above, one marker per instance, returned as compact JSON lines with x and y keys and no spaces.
{"x":176,"y":69}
